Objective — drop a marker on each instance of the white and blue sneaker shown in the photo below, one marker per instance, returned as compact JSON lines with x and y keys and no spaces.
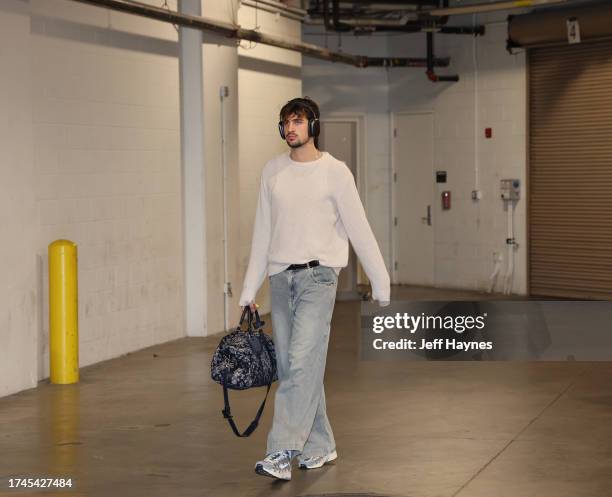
{"x":275,"y":465}
{"x":316,"y":461}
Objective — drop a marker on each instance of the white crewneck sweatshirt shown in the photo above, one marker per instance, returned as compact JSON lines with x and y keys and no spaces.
{"x":306,"y":211}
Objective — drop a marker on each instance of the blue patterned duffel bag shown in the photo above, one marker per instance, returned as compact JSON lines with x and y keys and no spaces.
{"x":244,"y":359}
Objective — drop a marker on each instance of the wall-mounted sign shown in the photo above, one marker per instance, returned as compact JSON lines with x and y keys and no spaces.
{"x":573,"y":30}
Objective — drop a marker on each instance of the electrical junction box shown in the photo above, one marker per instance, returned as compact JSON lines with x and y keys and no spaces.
{"x":510,"y":189}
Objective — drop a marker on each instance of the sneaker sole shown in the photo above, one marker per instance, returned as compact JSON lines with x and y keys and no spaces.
{"x":259,"y":469}
{"x":331,"y":457}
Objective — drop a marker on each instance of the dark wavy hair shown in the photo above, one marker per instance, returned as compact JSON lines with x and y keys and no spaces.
{"x":303,"y":106}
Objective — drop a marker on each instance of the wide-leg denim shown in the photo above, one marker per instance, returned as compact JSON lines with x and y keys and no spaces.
{"x":302,"y":306}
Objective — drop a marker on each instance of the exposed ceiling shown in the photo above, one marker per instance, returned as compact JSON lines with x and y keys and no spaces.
{"x":362,"y":16}
{"x":367,"y":16}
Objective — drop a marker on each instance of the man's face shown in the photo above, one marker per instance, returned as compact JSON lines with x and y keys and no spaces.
{"x":296,"y":130}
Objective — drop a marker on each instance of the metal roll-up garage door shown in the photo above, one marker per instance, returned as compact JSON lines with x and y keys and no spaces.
{"x":570,"y":171}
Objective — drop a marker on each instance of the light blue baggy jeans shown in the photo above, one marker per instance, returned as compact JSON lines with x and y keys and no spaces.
{"x":302,"y":306}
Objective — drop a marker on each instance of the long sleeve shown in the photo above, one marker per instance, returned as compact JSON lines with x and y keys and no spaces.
{"x":258,"y":260}
{"x":360,"y":234}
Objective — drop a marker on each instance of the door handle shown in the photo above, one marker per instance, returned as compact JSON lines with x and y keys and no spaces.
{"x":427,"y":219}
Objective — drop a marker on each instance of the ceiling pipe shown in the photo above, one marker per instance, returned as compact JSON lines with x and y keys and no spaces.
{"x":232,"y":31}
{"x":416,"y":27}
{"x":443,"y":19}
{"x":381,"y":7}
{"x":431,"y":74}
{"x":410,"y":23}
{"x":490,"y":7}
{"x":375,"y":22}
{"x":403,"y":24}
{"x":463,"y":30}
{"x":276,"y":8}
{"x":336,"y":25}
{"x":280,"y":6}
{"x":404,"y":4}
{"x":404,"y":62}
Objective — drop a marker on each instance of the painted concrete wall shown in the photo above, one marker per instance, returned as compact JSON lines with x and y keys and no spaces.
{"x":343,"y":90}
{"x":267,"y":78}
{"x":220,"y":69}
{"x":491,"y":93}
{"x":19,"y":265}
{"x":106,"y":151}
{"x":91,"y":152}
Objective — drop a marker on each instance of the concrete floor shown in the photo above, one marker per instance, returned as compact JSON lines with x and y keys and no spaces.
{"x":149,"y":424}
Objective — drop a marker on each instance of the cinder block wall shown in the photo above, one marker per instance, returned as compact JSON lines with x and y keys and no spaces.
{"x":344,"y":90}
{"x":267,"y":78}
{"x":105,"y":99}
{"x":91,"y":153}
{"x":492,"y":92}
{"x":18,"y":209}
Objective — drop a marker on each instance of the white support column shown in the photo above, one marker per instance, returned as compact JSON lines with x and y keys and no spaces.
{"x":193,"y":177}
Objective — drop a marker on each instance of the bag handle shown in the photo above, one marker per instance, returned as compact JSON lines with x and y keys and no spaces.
{"x":258,"y":322}
{"x":227,"y":413}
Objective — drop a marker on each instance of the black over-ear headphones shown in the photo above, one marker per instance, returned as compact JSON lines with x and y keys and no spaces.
{"x":314,"y":126}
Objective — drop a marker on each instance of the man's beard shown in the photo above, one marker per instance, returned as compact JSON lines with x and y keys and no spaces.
{"x":296,"y":144}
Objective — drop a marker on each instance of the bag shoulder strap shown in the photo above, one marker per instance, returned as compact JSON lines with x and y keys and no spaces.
{"x":227,"y":413}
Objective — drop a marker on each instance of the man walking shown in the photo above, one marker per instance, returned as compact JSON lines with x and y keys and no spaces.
{"x":307,"y":210}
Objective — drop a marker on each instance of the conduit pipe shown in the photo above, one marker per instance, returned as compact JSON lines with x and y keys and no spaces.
{"x":510,"y":245}
{"x":493,"y":277}
{"x":227,"y":288}
{"x":476,"y":119}
{"x":232,"y":31}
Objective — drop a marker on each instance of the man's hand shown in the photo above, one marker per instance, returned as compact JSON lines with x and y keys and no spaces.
{"x":253,"y":306}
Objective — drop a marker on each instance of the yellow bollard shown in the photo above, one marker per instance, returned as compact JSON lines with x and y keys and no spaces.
{"x":63,"y":312}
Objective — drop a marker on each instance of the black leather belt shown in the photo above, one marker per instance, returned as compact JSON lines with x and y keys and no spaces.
{"x":304,"y":266}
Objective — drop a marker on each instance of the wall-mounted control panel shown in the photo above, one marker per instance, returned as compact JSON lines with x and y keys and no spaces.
{"x":510,"y":189}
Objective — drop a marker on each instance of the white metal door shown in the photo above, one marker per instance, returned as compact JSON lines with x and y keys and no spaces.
{"x":413,"y":193}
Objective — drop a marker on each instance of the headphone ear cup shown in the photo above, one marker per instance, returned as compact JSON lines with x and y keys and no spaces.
{"x":314,"y":127}
{"x":281,"y":129}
